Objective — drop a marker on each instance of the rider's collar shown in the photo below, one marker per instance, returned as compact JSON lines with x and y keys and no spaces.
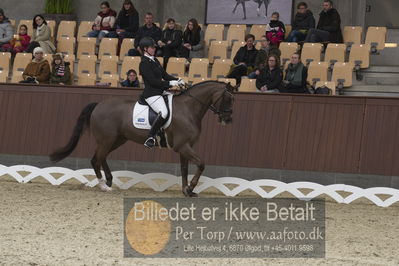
{"x":150,"y":57}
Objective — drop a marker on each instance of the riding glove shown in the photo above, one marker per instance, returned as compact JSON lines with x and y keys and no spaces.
{"x":174,"y":83}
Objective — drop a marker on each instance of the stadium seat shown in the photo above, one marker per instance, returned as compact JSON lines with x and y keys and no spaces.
{"x":342,"y":75}
{"x":317,"y":72}
{"x":335,"y":53}
{"x":49,"y":58}
{"x":258,"y":31}
{"x":198,"y":68}
{"x":217,"y":50}
{"x":21,"y":61}
{"x":360,"y":55}
{"x":130,"y":62}
{"x":3,"y":76}
{"x":287,"y":49}
{"x":28,"y":23}
{"x":352,"y":35}
{"x":108,"y":46}
{"x":5,"y":59}
{"x":16,"y":77}
{"x":51,"y":24}
{"x":226,"y":80}
{"x":108,"y":65}
{"x":198,"y":80}
{"x":84,"y":28}
{"x":66,"y":29}
{"x":127,"y":44}
{"x":220,"y":68}
{"x":214,"y":32}
{"x":71,"y":59}
{"x":87,"y":66}
{"x":66,"y":45}
{"x":113,"y":80}
{"x":87,"y":80}
{"x":235,"y":33}
{"x":328,"y":84}
{"x":176,"y":66}
{"x":248,"y":85}
{"x":375,"y":37}
{"x":311,"y":52}
{"x":160,"y":59}
{"x":288,"y":29}
{"x":86,"y":46}
{"x":235,"y":48}
{"x":12,"y":21}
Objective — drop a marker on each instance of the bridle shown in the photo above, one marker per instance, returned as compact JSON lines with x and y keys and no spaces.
{"x":212,"y":106}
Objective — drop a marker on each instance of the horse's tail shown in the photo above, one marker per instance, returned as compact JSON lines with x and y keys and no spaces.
{"x":82,"y":123}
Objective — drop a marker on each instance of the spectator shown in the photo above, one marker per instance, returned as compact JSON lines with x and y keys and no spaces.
{"x":6,"y":29}
{"x":149,"y":29}
{"x":131,"y":80}
{"x":270,"y":77}
{"x":127,"y":22}
{"x":104,"y":23}
{"x":244,"y":60}
{"x":193,"y":40}
{"x":302,"y":23}
{"x":263,"y":53}
{"x":19,"y":43}
{"x":171,"y":41}
{"x":329,"y":26}
{"x":41,"y":36}
{"x":275,"y":30}
{"x":37,"y":71}
{"x":61,"y":73}
{"x":295,"y":77}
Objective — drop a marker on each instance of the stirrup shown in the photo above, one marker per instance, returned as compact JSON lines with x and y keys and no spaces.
{"x":150,"y":142}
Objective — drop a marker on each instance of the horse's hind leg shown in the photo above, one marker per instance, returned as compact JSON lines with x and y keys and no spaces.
{"x":107,"y":171}
{"x":97,"y":161}
{"x":190,"y":155}
{"x":184,"y":172}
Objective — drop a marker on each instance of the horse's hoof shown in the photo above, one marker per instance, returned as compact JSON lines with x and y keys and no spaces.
{"x":109,"y":183}
{"x":188,"y":192}
{"x":104,"y":187}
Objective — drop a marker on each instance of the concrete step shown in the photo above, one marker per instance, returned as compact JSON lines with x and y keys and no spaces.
{"x":370,"y":90}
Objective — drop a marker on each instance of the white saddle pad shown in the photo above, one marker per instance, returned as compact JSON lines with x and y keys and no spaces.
{"x":141,"y":115}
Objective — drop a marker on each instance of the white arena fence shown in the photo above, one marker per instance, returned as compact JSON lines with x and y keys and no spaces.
{"x":161,"y":182}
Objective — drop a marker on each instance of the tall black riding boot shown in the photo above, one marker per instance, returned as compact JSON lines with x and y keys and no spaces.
{"x":158,"y":122}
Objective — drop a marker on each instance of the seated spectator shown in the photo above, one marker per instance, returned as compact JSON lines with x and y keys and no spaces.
{"x":170,"y":42}
{"x":149,"y":29}
{"x":127,"y":22}
{"x":19,"y":43}
{"x":37,"y":71}
{"x":193,"y":40}
{"x":270,"y":77}
{"x":275,"y":30}
{"x":41,"y":36}
{"x":329,"y":26}
{"x":131,"y":80}
{"x":61,"y":73}
{"x":263,"y":53}
{"x":295,"y":76}
{"x":104,"y":23}
{"x":6,"y":29}
{"x":302,"y":23}
{"x":244,"y":60}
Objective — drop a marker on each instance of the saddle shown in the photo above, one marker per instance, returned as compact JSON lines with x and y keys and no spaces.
{"x":151,"y":113}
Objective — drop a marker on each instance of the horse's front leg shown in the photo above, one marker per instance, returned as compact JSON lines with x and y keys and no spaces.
{"x":188,"y":153}
{"x":184,"y":173}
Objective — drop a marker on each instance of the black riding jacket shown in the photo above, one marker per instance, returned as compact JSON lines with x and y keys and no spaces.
{"x":155,"y":78}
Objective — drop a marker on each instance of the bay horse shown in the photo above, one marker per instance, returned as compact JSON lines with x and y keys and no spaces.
{"x":111,"y":123}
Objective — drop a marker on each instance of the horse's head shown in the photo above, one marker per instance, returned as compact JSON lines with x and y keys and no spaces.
{"x":223,"y":104}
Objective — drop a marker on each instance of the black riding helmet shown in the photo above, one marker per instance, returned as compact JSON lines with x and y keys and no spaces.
{"x":146,"y":42}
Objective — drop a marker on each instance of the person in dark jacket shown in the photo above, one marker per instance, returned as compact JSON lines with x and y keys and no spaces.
{"x":244,"y":60}
{"x":329,"y":26}
{"x":170,"y":42}
{"x":270,"y":77}
{"x":302,"y":23}
{"x":131,"y":79}
{"x":295,"y":76}
{"x":127,"y":22}
{"x":149,"y":29}
{"x":193,"y":40}
{"x":156,"y":81}
{"x":263,"y":53}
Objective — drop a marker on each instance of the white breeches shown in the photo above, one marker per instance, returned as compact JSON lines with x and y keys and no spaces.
{"x":158,"y":105}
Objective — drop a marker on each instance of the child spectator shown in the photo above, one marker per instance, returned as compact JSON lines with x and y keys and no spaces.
{"x":61,"y":73}
{"x":6,"y":30}
{"x":193,"y":40}
{"x":104,"y":22}
{"x":131,"y":80}
{"x":275,"y":30}
{"x":19,"y":43}
{"x":270,"y":77}
{"x":38,"y":70}
{"x":302,"y":23}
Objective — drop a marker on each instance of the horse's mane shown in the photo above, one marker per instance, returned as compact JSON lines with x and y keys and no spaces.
{"x":201,"y":83}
